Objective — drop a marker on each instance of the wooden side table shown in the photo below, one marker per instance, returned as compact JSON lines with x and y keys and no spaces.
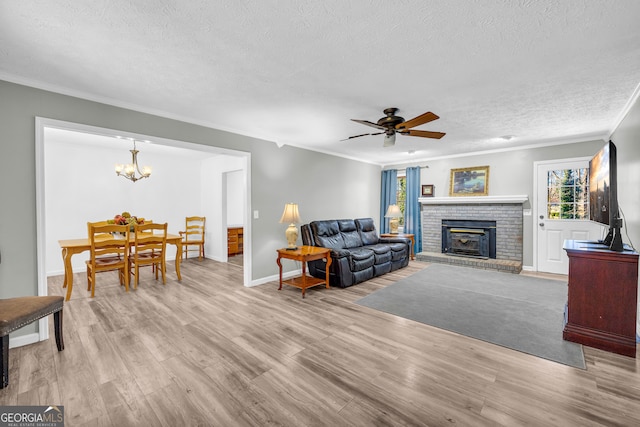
{"x":304,"y":254}
{"x":407,"y":236}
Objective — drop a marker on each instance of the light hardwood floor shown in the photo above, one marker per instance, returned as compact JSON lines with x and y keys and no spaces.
{"x":210,"y":352}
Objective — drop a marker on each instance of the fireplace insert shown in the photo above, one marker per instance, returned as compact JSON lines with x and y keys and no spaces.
{"x":471,"y":238}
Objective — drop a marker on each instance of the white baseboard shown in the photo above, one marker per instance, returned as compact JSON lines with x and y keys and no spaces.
{"x":275,"y":277}
{"x":21,"y":340}
{"x":55,"y":273}
{"x":528,"y":268}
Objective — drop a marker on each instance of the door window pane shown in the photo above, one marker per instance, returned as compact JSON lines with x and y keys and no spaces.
{"x":568,"y":194}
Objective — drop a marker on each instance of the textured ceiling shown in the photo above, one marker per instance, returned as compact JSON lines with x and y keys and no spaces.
{"x":294,"y":72}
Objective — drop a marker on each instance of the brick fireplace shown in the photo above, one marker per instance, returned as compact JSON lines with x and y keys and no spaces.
{"x":500,"y":215}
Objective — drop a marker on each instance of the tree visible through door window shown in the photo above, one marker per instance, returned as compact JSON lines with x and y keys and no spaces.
{"x":401,"y":197}
{"x":568,"y":194}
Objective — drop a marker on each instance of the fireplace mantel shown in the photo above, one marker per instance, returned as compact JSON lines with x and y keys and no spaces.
{"x":473,"y":200}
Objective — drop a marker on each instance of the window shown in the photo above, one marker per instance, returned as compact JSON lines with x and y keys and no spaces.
{"x":401,"y":197}
{"x":568,"y":194}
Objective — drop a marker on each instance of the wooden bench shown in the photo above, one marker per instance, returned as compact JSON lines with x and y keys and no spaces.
{"x":18,"y":312}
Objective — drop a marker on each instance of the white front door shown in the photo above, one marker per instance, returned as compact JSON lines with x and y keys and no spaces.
{"x":562,"y":211}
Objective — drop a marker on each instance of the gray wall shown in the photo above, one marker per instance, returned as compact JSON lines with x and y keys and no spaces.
{"x":324,"y":186}
{"x":627,"y":140}
{"x":510,"y":173}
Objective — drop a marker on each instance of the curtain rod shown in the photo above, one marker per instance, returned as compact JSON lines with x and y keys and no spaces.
{"x":403,"y":169}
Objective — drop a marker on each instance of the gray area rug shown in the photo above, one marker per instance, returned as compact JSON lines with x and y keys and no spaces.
{"x":519,"y":312}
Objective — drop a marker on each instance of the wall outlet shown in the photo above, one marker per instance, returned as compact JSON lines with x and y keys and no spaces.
{"x":256,"y":214}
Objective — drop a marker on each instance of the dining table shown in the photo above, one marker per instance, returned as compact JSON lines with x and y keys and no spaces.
{"x":71,"y":247}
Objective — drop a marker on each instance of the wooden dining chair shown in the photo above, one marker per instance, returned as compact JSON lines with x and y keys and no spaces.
{"x":109,"y":251}
{"x":193,"y":235}
{"x":95,"y":224}
{"x":149,"y":248}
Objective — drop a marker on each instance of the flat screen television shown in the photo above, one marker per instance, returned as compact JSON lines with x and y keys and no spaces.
{"x":603,"y":194}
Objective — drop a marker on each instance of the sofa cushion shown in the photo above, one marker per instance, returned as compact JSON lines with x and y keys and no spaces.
{"x":350,"y":233}
{"x":361,"y":258}
{"x":367,"y":229}
{"x":398,"y":250}
{"x":327,"y":234}
{"x":382,"y":258}
{"x":382,"y":253}
{"x":380,"y":248}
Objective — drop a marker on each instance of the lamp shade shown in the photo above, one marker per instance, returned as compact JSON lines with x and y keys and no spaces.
{"x":290,"y":214}
{"x":393,"y":211}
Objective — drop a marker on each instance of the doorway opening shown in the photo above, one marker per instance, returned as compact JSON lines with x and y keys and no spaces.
{"x":84,"y":176}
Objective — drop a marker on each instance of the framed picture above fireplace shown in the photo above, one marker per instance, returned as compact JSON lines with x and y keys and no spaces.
{"x":469,"y":181}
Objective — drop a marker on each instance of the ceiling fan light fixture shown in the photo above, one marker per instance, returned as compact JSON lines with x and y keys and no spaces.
{"x":389,"y":140}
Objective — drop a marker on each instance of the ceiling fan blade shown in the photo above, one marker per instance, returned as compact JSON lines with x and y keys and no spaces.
{"x":368,"y":123}
{"x":424,"y":134}
{"x":364,"y":134}
{"x":389,"y":140}
{"x":417,"y":121}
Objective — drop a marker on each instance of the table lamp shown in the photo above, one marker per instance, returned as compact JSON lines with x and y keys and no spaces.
{"x":393,"y":212}
{"x":291,"y":216}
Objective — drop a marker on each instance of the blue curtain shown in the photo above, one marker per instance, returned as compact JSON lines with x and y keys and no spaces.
{"x":412,"y":223}
{"x":387,"y":196}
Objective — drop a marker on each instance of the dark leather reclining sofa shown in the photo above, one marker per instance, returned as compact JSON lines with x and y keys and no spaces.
{"x":357,"y":252}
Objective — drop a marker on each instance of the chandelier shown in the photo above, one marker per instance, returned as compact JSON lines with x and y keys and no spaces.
{"x":129,"y":170}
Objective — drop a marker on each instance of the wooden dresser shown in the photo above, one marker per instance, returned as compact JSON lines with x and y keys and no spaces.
{"x":601,"y":308}
{"x":234,"y":241}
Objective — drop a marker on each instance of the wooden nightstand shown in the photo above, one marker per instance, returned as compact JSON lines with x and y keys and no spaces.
{"x":407,"y":236}
{"x":304,"y":254}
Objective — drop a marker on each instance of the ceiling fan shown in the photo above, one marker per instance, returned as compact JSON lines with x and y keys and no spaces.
{"x":392,"y":124}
